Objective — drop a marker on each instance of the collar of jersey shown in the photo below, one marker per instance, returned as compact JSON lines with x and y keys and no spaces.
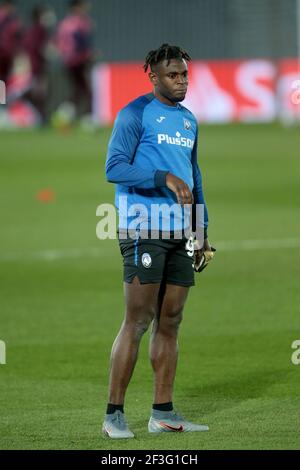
{"x":166,"y":106}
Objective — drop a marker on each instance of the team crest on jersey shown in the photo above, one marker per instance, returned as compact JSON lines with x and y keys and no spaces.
{"x":187,"y":124}
{"x":146,"y":260}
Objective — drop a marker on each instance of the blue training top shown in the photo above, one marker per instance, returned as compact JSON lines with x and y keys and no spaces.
{"x":149,"y":140}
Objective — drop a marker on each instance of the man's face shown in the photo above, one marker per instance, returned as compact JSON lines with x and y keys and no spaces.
{"x":10,"y":7}
{"x":171,"y":81}
{"x":84,"y":8}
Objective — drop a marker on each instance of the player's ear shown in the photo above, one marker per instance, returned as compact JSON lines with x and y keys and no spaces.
{"x":153,"y":78}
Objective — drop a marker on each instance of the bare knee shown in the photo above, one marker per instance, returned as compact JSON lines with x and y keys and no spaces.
{"x":137,"y":327}
{"x":170,"y":320}
{"x":138,"y":319}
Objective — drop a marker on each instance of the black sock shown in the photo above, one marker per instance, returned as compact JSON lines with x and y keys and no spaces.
{"x":163,"y":406}
{"x":112,"y":408}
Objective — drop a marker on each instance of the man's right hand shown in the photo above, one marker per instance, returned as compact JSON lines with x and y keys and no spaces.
{"x":180,"y":188}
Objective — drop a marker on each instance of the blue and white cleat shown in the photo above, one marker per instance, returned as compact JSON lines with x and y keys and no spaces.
{"x":115,"y":426}
{"x":169,"y":421}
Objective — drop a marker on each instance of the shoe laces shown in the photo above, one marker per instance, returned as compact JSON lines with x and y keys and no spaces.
{"x":119,"y":420}
{"x":177,"y":416}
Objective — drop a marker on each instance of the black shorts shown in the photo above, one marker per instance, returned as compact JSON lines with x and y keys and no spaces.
{"x":156,"y":261}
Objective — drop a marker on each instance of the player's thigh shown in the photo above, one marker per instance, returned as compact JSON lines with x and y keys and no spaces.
{"x":173,"y":303}
{"x":141,"y":300}
{"x":144,"y":263}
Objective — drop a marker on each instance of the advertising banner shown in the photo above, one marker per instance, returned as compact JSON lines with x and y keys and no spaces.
{"x":258,"y":90}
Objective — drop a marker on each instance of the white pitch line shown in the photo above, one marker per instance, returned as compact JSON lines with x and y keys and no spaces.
{"x":263,"y":244}
{"x":51,"y":255}
{"x":239,"y":245}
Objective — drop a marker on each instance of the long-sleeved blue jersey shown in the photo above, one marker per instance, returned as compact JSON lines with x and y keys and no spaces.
{"x":149,"y":140}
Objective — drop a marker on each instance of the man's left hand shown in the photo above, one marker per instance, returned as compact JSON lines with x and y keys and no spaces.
{"x":203,"y":255}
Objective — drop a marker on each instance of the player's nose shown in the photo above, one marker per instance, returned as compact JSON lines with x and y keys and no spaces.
{"x":182,"y":81}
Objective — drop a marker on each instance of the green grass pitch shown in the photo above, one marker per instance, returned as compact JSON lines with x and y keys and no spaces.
{"x":61,"y":299}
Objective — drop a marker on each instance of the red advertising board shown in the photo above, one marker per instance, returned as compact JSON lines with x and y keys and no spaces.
{"x":258,"y":90}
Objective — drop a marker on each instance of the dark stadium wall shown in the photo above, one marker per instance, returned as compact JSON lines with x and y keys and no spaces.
{"x":126,"y":29}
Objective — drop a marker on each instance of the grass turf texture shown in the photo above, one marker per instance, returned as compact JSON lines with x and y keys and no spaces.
{"x":59,"y":316}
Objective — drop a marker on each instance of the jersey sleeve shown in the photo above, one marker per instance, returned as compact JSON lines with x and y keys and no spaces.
{"x":198,"y":189}
{"x":121,"y":167}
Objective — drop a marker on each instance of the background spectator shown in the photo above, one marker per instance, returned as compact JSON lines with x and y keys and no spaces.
{"x":74,"y":44}
{"x":35,"y":43}
{"x":10,"y":35}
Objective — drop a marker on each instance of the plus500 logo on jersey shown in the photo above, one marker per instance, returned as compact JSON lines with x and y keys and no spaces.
{"x":178,"y":140}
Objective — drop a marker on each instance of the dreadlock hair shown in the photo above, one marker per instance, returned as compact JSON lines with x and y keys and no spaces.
{"x":77,"y":3}
{"x":165,"y":52}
